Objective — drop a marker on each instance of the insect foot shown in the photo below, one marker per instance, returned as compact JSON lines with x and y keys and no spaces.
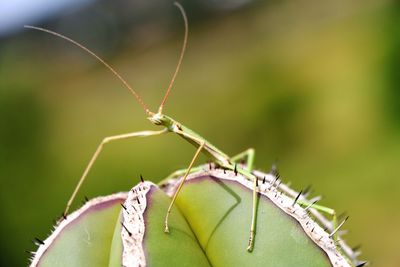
{"x":166,"y":228}
{"x":209,"y":226}
{"x":250,"y":245}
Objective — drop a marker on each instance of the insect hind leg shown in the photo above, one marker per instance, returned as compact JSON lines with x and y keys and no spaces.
{"x":247,"y":155}
{"x":326,"y":210}
{"x":180,"y":173}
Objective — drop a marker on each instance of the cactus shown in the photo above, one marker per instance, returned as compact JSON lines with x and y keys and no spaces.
{"x":80,"y":239}
{"x":209,"y":226}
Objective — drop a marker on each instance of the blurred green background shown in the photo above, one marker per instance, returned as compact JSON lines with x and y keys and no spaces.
{"x":312,"y":84}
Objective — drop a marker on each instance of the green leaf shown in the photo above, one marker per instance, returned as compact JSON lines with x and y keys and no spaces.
{"x":219,"y":213}
{"x":116,"y":245}
{"x":83,"y":239}
{"x":209,"y":226}
{"x":180,"y":247}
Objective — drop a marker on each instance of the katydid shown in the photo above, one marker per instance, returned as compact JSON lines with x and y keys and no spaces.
{"x":171,"y":125}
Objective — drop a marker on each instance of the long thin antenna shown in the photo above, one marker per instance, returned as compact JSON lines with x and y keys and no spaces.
{"x":180,"y":58}
{"x":137,"y":96}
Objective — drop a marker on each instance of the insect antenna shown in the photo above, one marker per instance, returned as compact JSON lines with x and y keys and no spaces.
{"x":137,"y":96}
{"x":180,"y":57}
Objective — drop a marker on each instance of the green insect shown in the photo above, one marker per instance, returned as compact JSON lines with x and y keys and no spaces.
{"x":203,"y":146}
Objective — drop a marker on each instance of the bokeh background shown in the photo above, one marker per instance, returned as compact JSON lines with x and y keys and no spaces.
{"x":313,"y":85}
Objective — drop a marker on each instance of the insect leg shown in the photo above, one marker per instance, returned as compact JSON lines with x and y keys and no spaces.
{"x":179,"y":173}
{"x":250,"y":245}
{"x":248,"y":154}
{"x":324,"y":209}
{"x":166,"y":229}
{"x":97,"y":152}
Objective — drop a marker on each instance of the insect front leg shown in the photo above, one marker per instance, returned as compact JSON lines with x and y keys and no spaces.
{"x":98,"y":151}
